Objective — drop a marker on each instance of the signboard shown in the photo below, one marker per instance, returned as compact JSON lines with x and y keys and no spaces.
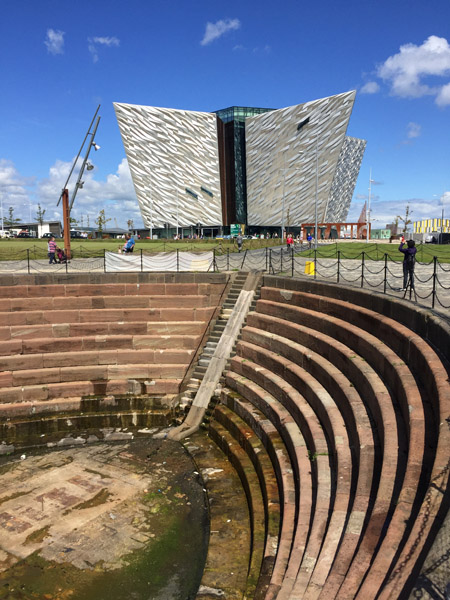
{"x":235,"y":229}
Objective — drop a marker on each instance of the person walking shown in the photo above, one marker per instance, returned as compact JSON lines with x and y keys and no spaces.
{"x":51,"y":250}
{"x":239,"y":241}
{"x":409,"y":260}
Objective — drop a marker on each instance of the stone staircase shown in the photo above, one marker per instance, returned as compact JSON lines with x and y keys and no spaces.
{"x":211,"y":345}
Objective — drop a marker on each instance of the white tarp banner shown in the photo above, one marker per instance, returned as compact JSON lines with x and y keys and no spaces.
{"x":161,"y":261}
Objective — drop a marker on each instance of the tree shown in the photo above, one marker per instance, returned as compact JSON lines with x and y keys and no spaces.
{"x":40,"y":215}
{"x":406,"y":219}
{"x":101,"y":220}
{"x":130,"y":224}
{"x":73,"y":221}
{"x":10,"y":221}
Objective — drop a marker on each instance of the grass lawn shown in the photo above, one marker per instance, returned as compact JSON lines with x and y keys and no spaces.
{"x":377,"y":251}
{"x":19,"y":249}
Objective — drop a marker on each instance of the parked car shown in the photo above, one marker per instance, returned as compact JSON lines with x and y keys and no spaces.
{"x":23,"y":234}
{"x":76,"y":235}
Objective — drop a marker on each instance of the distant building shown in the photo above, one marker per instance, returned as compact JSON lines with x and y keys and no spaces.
{"x":256,"y":166}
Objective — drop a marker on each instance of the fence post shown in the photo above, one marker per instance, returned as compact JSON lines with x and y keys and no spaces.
{"x":281,"y":259}
{"x":228,"y":259}
{"x":385,"y":272}
{"x":362,"y":269}
{"x":142,"y":261}
{"x":178,"y":260}
{"x":267,"y":257}
{"x":338,"y":266}
{"x":104,"y":260}
{"x":292,"y":262}
{"x":243,"y":260}
{"x":214,"y":261}
{"x":433,"y":293}
{"x":270,"y":261}
{"x":28,"y":260}
{"x":315,"y":263}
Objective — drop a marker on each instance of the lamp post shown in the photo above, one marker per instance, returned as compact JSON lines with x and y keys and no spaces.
{"x":79,"y":184}
{"x":316,"y":201}
{"x":368,"y":207}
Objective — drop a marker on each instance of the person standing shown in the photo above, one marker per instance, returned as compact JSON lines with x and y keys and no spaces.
{"x":51,"y":250}
{"x":289,"y":241}
{"x":409,"y":260}
{"x":239,"y":241}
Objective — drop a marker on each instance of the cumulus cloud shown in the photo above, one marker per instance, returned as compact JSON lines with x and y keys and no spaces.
{"x":406,"y":72}
{"x":443,"y":97}
{"x":371,"y":87}
{"x":95,"y":42}
{"x":55,"y":41}
{"x":218,"y":29}
{"x":115,"y":194}
{"x":15,"y":190}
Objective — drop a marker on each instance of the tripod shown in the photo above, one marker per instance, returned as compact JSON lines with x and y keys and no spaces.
{"x":410,"y":284}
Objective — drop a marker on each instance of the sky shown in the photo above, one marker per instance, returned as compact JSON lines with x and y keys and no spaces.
{"x":59,"y":60}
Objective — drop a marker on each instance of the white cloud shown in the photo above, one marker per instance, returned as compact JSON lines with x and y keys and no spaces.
{"x":218,"y":29}
{"x":115,"y":194}
{"x":413,"y":130}
{"x":371,"y":87}
{"x":95,"y":42}
{"x":443,"y":97}
{"x":445,"y":199}
{"x":55,"y":41}
{"x":406,"y":70}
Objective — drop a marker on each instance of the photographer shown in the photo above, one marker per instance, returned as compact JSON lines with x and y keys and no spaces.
{"x":409,"y":259}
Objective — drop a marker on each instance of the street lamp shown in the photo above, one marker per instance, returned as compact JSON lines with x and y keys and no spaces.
{"x":79,"y":183}
{"x":368,"y":207}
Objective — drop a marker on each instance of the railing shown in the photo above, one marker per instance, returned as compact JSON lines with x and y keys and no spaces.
{"x":371,"y":269}
{"x":380,"y":271}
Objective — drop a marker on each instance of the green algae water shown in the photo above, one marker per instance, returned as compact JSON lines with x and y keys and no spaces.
{"x":105,"y":521}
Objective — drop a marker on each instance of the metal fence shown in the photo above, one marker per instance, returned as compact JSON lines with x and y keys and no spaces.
{"x":383,"y":273}
{"x":372,"y":270}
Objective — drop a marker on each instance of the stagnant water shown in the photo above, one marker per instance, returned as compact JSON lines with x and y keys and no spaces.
{"x":106,"y":521}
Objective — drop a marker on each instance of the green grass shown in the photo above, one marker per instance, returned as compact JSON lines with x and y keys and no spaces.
{"x":377,"y":251}
{"x":19,"y":249}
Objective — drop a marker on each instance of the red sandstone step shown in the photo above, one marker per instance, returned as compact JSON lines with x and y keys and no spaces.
{"x":358,"y":427}
{"x":240,"y":429}
{"x":105,"y":315}
{"x":378,"y":403}
{"x":50,"y":391}
{"x":20,"y":362}
{"x":285,"y":415}
{"x":244,"y":467}
{"x":110,"y":289}
{"x":406,"y":396}
{"x":103,"y":302}
{"x":302,"y":468}
{"x":280,"y":370}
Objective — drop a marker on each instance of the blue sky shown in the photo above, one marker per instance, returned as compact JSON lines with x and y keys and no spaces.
{"x":60,"y":59}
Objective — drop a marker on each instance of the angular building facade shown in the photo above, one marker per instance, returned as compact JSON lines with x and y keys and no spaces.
{"x":257,"y":166}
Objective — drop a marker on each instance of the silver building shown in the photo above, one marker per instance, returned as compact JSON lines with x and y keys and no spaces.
{"x":293,"y":162}
{"x":174,"y":163}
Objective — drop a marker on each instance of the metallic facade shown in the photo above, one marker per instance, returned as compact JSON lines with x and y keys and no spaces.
{"x":291,"y":161}
{"x":286,"y":150}
{"x":174,"y":164}
{"x":344,"y":180}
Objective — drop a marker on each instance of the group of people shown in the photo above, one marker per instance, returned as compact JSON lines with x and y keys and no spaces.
{"x":56,"y":255}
